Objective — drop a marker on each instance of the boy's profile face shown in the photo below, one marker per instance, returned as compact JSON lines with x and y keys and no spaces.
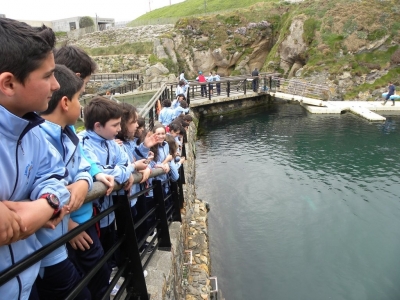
{"x":174,"y":133}
{"x":110,"y":130}
{"x":74,"y":108}
{"x":36,"y":92}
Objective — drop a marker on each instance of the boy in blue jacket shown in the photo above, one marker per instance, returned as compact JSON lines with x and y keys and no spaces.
{"x":33,"y":189}
{"x":85,"y":249}
{"x":58,"y":276}
{"x":102,"y":123}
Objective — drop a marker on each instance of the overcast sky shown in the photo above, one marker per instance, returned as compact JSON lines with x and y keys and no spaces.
{"x":48,"y":10}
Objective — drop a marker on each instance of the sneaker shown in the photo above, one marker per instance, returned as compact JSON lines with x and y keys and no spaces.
{"x":149,"y":238}
{"x":115,"y":289}
{"x":113,"y":272}
{"x":151,"y":248}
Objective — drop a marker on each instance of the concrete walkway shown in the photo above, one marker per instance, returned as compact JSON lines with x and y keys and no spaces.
{"x":366,"y":109}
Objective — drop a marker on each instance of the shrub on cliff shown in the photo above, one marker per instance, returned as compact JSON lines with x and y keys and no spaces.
{"x":395,"y":58}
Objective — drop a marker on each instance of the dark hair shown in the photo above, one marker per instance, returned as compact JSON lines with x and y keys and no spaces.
{"x":154,"y":149}
{"x":75,"y":59}
{"x":70,"y":84}
{"x":183,"y":104}
{"x":182,"y":95}
{"x":172,"y":145}
{"x":23,"y":48}
{"x":141,"y":122}
{"x":187,"y":118}
{"x":101,"y":109}
{"x":181,"y":83}
{"x":128,"y":112}
{"x":166,"y":103}
{"x":175,"y":127}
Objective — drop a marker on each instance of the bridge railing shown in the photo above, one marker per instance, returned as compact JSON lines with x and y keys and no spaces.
{"x":116,"y":76}
{"x":133,"y":262}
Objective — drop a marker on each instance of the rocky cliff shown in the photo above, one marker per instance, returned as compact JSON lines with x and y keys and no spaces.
{"x":352,"y":46}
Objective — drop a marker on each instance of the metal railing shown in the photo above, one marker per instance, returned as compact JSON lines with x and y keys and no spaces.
{"x":133,"y":262}
{"x":117,"y":76}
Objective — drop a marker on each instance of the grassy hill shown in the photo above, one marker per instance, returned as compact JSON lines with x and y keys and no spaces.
{"x":195,"y":7}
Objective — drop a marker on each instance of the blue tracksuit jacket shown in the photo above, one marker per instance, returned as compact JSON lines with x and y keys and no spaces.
{"x":30,"y":167}
{"x":67,"y":144}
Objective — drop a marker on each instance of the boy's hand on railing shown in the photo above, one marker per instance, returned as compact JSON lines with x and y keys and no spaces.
{"x":145,"y":174}
{"x":183,"y":159}
{"x":54,"y":222}
{"x":11,"y":225}
{"x":129,"y":183}
{"x":108,"y":180}
{"x":165,"y":167}
{"x":82,"y":240}
{"x":78,"y":191}
{"x":140,"y":164}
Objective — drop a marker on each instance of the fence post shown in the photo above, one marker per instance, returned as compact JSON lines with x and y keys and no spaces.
{"x":228,"y":88}
{"x":209,"y":91}
{"x":188,"y":96}
{"x":172,"y":92}
{"x":270,"y":82}
{"x":164,"y":238}
{"x":176,"y":202}
{"x":244,"y":85}
{"x":130,"y":249}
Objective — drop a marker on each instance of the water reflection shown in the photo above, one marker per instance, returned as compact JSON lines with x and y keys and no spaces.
{"x":303,"y":206}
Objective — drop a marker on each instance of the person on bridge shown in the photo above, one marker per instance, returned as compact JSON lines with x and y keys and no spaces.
{"x":391,"y":91}
{"x":202,"y":80}
{"x":210,"y":78}
{"x":254,"y":83}
{"x":218,"y":85}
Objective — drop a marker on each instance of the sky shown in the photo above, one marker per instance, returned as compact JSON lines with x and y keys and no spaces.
{"x":48,"y":10}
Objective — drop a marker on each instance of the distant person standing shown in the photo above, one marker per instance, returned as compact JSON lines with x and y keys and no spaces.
{"x":202,"y":80}
{"x":218,"y":85}
{"x":391,"y":90}
{"x":210,"y":78}
{"x":182,"y":77}
{"x":254,"y":83}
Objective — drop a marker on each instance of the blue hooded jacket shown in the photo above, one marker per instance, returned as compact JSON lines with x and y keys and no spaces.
{"x":111,"y":159}
{"x":66,"y":142}
{"x":30,"y":167}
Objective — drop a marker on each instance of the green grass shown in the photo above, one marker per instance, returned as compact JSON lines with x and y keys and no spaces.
{"x":127,"y":48}
{"x":195,"y":8}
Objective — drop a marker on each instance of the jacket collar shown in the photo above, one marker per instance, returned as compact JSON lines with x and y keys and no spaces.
{"x":14,"y":127}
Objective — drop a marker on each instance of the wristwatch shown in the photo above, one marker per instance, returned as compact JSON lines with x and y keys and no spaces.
{"x":53,"y":201}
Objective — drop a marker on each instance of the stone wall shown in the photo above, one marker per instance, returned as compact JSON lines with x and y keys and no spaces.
{"x":170,"y":276}
{"x":220,"y":106}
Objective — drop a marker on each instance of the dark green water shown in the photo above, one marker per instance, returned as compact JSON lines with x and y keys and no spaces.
{"x":302,"y":206}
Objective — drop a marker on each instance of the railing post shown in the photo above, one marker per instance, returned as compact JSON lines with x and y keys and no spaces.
{"x":270,"y":82}
{"x":228,"y":88}
{"x":244,"y":85}
{"x":172,"y":90}
{"x":164,"y":238}
{"x":130,"y":250}
{"x":193,"y":92}
{"x":188,"y":96}
{"x":209,"y":91}
{"x":181,"y":181}
{"x":265,"y":84}
{"x":176,"y":202}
